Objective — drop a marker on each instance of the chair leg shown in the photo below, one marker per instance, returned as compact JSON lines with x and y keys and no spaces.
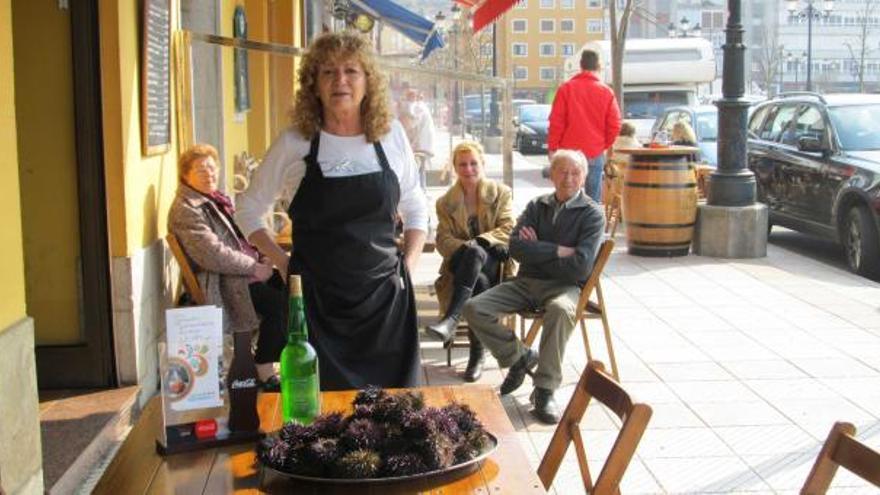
{"x":449,"y":354}
{"x":533,"y":331}
{"x":607,"y":330}
{"x":587,"y":349}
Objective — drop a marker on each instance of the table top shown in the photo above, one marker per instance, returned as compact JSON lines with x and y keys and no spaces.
{"x":665,"y":151}
{"x":137,"y":468}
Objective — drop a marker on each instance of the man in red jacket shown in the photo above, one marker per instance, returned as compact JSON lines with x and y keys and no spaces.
{"x":585,"y":116}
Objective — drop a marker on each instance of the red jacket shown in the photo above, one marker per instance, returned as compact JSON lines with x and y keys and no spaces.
{"x":585,"y":116}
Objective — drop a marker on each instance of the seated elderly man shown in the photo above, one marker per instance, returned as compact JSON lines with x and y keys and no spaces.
{"x":555,"y":241}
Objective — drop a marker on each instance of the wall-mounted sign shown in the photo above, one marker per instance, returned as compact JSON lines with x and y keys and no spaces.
{"x":156,"y":77}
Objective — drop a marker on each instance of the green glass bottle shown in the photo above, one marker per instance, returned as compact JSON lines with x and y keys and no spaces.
{"x":300,"y":390}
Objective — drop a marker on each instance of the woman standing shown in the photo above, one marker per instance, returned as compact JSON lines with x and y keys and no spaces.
{"x":352,"y":170}
{"x":475,"y":219}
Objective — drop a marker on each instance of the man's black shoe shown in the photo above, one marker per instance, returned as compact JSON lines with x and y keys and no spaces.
{"x":546,"y":409}
{"x":517,"y":373}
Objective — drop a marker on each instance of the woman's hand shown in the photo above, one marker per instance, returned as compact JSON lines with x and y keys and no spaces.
{"x":263,"y":272}
{"x":265,"y":243}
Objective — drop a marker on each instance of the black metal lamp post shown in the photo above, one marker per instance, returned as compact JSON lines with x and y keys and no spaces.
{"x":795,"y":60}
{"x":684,"y":29}
{"x":809,"y":13}
{"x":732,"y":224}
{"x":732,"y":184}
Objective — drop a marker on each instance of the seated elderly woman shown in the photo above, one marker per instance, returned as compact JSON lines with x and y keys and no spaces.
{"x":229,"y":269}
{"x":475,"y":218}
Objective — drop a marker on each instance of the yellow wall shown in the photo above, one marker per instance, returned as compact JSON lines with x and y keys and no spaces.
{"x":47,"y":165}
{"x":12,"y":292}
{"x":139,"y":189}
{"x":259,"y":129}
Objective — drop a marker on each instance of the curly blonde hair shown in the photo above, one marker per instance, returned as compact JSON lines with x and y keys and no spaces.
{"x":307,"y":115}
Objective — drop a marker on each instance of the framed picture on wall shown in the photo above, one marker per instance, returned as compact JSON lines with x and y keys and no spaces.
{"x":156,"y":77}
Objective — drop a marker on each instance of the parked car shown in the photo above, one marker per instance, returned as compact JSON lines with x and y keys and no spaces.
{"x":703,"y":119}
{"x":478,"y":110}
{"x":532,"y":123}
{"x":816,"y":160}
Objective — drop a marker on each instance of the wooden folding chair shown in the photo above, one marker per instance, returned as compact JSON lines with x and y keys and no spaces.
{"x":190,"y":282}
{"x":841,"y":448}
{"x":587,"y":309}
{"x":596,"y":383}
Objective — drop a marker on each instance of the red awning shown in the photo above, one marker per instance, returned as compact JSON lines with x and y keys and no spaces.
{"x":489,"y":11}
{"x":467,"y":3}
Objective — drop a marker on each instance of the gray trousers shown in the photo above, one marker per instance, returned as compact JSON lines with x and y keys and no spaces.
{"x":559,"y":300}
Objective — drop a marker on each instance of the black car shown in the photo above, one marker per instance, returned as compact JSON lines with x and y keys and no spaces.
{"x":816,"y":159}
{"x":533,"y":123}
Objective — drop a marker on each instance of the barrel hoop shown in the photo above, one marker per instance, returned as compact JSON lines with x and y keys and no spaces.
{"x":644,"y":185}
{"x":660,"y":244}
{"x":660,"y":167}
{"x":661,"y":225}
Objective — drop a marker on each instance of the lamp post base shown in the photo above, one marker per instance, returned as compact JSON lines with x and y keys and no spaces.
{"x":731,"y":231}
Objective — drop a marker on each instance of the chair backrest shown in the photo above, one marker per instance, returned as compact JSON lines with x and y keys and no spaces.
{"x":842,"y":449}
{"x":189,"y":277}
{"x":598,"y":265}
{"x":596,"y":383}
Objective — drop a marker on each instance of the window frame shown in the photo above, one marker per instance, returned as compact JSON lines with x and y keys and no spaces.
{"x":522,"y":44}
{"x":541,"y":73}
{"x":541,"y":25}
{"x":525,"y":26}
{"x":600,"y":23}
{"x":541,"y":46}
{"x":570,"y":21}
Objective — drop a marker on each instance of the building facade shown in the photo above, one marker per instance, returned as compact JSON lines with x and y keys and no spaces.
{"x":539,"y":35}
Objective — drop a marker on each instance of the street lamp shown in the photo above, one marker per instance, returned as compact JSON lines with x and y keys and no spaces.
{"x":684,"y":29}
{"x":809,"y":12}
{"x":796,"y":61}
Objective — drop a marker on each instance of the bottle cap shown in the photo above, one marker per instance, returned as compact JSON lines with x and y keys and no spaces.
{"x":295,"y":285}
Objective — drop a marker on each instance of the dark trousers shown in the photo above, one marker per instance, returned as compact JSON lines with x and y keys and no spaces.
{"x":270,"y":302}
{"x":474,"y":268}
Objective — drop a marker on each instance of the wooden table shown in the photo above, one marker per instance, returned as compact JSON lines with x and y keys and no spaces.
{"x":137,"y":468}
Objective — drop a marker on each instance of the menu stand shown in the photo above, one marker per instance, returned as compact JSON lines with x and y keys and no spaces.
{"x":197,"y":411}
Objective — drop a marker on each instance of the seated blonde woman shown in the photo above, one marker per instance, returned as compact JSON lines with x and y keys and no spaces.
{"x":683,"y":134}
{"x":475,"y":218}
{"x":230,"y":270}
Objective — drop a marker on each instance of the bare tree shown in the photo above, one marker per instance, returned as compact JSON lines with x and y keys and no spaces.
{"x":619,"y":28}
{"x":768,"y":60}
{"x":861,"y":50}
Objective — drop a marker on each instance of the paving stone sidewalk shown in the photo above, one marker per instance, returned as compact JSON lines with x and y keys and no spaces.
{"x":746,"y":363}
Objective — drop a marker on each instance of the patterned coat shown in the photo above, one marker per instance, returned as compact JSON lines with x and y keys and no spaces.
{"x":213,"y":249}
{"x":495,"y":216}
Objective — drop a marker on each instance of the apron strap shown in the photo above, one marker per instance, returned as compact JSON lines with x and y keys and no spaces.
{"x":380,"y":153}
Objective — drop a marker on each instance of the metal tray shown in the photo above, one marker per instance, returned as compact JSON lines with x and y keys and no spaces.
{"x":463,"y":468}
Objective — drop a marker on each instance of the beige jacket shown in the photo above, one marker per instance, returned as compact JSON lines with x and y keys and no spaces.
{"x":212,"y":247}
{"x":495,"y":216}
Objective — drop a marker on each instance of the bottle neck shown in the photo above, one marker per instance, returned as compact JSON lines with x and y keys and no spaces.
{"x":296,"y":328}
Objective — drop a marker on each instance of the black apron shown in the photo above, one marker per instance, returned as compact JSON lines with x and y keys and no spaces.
{"x":360,"y":305}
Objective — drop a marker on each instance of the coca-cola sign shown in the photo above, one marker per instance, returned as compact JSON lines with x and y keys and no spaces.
{"x":243,"y":383}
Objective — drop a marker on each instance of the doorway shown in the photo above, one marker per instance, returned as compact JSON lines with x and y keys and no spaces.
{"x":64,"y":224}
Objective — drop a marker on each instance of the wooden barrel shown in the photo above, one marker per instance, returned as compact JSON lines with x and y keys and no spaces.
{"x":660,"y":201}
